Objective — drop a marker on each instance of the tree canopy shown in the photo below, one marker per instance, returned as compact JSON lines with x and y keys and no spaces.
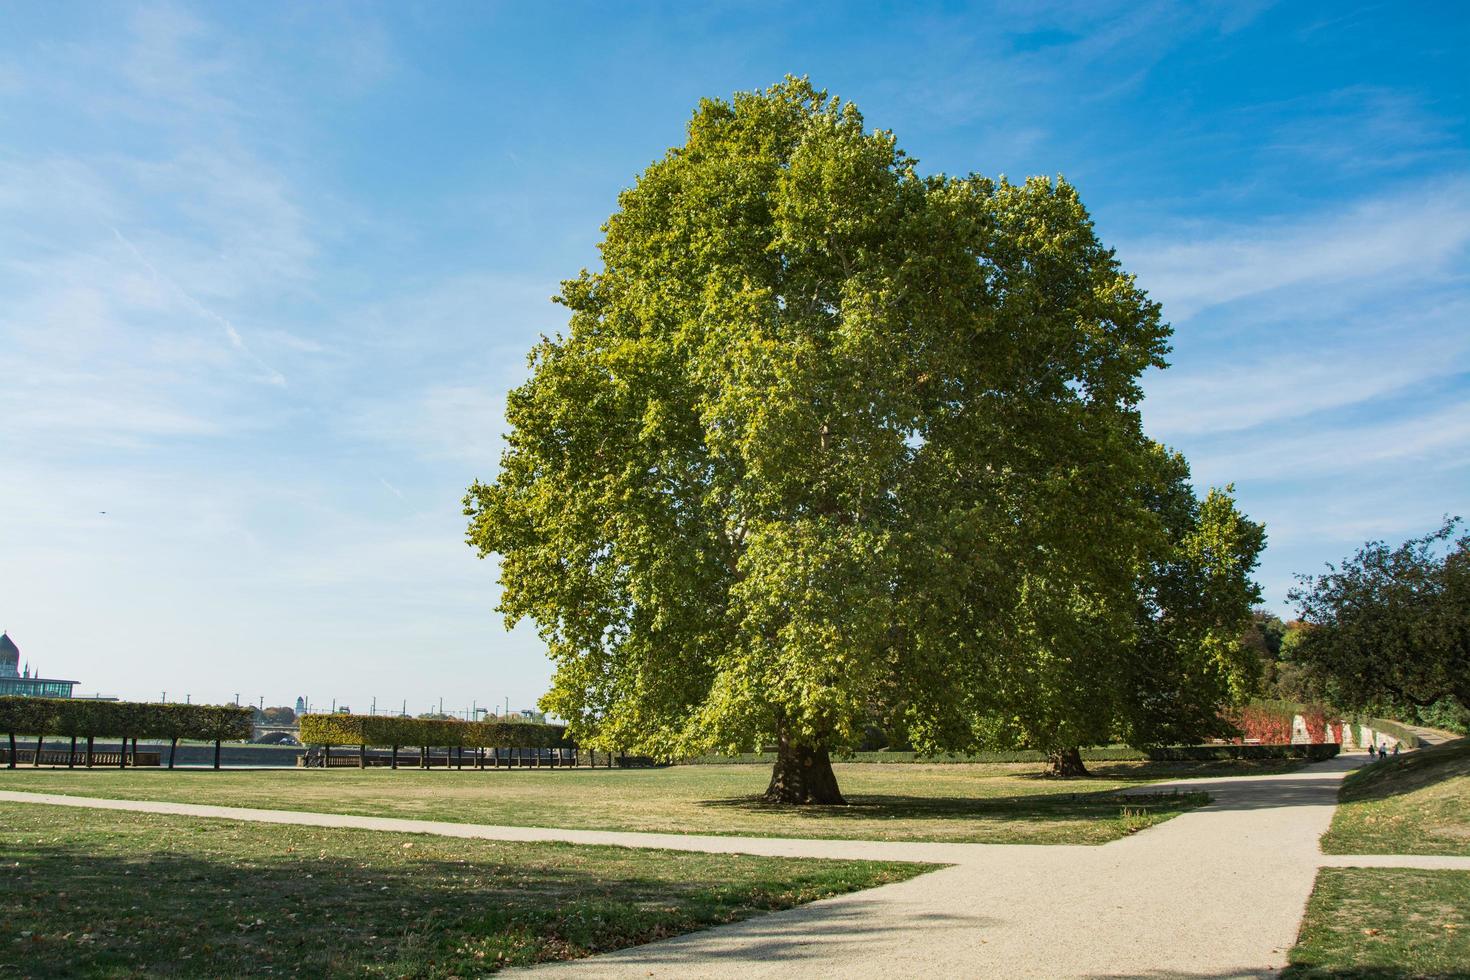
{"x":1391,"y":625}
{"x":828,"y":438}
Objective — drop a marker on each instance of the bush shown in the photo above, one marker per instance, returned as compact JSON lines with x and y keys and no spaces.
{"x":1448,"y":714}
{"x":1111,"y":753}
{"x":123,"y":719}
{"x":1269,"y":722}
{"x":1206,"y":753}
{"x":387,"y":730}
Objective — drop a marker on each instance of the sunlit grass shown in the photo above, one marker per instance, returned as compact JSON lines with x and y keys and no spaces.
{"x":97,"y":893}
{"x":992,"y":803}
{"x":1417,"y":803}
{"x":1385,"y":923}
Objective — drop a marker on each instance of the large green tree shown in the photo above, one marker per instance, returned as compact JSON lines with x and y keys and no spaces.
{"x":825,"y":434}
{"x":1391,"y":626}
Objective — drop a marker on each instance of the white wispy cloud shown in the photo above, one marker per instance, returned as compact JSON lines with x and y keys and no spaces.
{"x":1320,"y":367}
{"x":1413,"y":234}
{"x":1436,"y":439}
{"x":268,"y":374}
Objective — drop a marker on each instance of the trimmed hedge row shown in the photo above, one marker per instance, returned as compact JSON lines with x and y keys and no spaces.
{"x":386,"y":730}
{"x":40,"y":717}
{"x":1114,"y":753}
{"x":1313,"y":752}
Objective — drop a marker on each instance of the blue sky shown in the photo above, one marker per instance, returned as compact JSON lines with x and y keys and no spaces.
{"x":268,"y":270}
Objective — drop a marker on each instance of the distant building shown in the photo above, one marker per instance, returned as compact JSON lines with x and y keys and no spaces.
{"x":300,"y":707}
{"x":14,"y":681}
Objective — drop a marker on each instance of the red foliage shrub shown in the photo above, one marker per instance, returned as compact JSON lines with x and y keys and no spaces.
{"x":1270,"y":726}
{"x":1315,"y":717}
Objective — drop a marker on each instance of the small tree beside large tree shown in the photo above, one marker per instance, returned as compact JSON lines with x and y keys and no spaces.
{"x":825,"y":433}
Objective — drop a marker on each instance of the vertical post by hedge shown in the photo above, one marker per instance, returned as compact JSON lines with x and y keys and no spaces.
{"x":216,"y":753}
{"x":395,"y":757}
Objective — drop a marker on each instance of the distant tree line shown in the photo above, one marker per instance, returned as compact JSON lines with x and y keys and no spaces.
{"x":280,"y":715}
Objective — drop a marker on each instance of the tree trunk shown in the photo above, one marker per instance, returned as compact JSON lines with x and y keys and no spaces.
{"x":395,"y":757}
{"x":802,"y":775}
{"x":11,"y":764}
{"x":36,"y":762}
{"x":89,"y":750}
{"x":122,"y":753}
{"x":173,"y":748}
{"x":362,"y":755}
{"x":1066,"y":763}
{"x":71,"y":754}
{"x":216,"y":753}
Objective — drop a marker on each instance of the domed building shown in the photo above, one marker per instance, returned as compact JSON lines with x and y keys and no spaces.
{"x":15,"y":681}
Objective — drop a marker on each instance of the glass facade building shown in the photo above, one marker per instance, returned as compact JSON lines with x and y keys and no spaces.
{"x":14,"y":681}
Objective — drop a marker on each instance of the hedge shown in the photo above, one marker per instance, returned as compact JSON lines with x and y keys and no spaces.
{"x":1111,"y":753}
{"x":87,"y":719}
{"x":387,"y":730}
{"x":1313,"y":752}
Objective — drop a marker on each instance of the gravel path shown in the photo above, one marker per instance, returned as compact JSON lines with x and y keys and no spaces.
{"x":1217,"y":892}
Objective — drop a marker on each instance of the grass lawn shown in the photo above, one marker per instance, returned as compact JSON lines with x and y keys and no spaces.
{"x":93,"y":893}
{"x":1386,"y":924}
{"x":997,"y":803}
{"x":1418,"y":803}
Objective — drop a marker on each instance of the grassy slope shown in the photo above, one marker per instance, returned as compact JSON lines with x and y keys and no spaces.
{"x":1417,"y":803}
{"x":1385,"y":923}
{"x":106,"y":894}
{"x":990,"y":803}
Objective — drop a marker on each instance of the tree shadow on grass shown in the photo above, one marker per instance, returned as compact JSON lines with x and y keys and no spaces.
{"x":136,"y":898}
{"x":1026,"y":807}
{"x":1125,"y":772}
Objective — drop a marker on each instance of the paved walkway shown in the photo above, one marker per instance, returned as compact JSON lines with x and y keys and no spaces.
{"x":1217,"y":892}
{"x":1430,"y":736}
{"x":1214,"y":893}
